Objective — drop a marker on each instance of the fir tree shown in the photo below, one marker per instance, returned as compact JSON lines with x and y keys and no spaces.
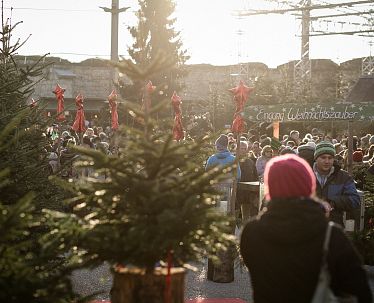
{"x":155,"y":198}
{"x":27,"y":158}
{"x":32,"y":268}
{"x":153,"y":34}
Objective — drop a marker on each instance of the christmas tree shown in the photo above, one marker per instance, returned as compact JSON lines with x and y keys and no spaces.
{"x":155,"y":33}
{"x":152,"y":198}
{"x":27,"y":160}
{"x":32,"y":268}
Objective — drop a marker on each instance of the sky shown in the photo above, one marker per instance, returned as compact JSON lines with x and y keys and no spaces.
{"x":79,"y":29}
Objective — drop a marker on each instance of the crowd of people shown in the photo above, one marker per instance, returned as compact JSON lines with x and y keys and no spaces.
{"x":61,"y":155}
{"x":306,"y":186}
{"x":328,"y":158}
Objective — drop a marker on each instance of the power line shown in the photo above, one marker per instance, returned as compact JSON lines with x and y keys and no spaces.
{"x":75,"y":54}
{"x":343,"y":15}
{"x":303,"y":8}
{"x":345,"y":9}
{"x":80,"y":54}
{"x":341,"y":33}
{"x":52,"y":9}
{"x":57,"y":9}
{"x":302,"y":69}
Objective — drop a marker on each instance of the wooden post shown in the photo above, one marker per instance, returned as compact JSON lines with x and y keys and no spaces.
{"x":59,"y":143}
{"x":80,"y":138}
{"x":350,"y":147}
{"x":235,"y":178}
{"x":276,"y":126}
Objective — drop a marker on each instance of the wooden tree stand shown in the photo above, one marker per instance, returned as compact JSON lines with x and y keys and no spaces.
{"x":136,"y":286}
{"x":224,"y":271}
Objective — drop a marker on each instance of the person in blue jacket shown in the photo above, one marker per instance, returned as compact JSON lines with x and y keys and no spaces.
{"x":334,"y":185}
{"x":223,"y":157}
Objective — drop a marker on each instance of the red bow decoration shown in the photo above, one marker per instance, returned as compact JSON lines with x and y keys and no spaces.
{"x":112,"y":98}
{"x":241,"y":94}
{"x":147,"y":102}
{"x":59,"y":92}
{"x":79,"y":122}
{"x":176,"y":102}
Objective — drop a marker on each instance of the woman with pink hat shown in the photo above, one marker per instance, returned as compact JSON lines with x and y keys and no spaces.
{"x":282,"y":247}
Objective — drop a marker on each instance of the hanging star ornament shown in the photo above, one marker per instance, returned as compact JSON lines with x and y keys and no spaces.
{"x":149,"y":89}
{"x":79,"y":101}
{"x":79,"y":122}
{"x":59,"y":92}
{"x":178,"y":133}
{"x":112,"y":98}
{"x":241,"y":94}
{"x":176,"y":101}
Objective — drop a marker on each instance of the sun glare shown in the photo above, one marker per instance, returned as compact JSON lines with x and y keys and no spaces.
{"x":225,"y":38}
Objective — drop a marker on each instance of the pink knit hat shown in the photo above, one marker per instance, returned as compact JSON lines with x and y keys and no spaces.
{"x":288,"y":176}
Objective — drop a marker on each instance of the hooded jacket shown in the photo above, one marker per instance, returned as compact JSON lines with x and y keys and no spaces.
{"x":222,"y":158}
{"x":282,"y":249}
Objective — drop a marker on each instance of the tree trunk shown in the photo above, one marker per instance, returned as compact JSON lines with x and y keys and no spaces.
{"x":137,"y":286}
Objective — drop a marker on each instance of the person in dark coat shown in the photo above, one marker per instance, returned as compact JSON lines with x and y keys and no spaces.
{"x":282,"y":247}
{"x":247,"y":200}
{"x":334,"y":185}
{"x":306,"y":151}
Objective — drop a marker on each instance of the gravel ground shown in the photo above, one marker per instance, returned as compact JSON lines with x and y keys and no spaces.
{"x":89,"y":281}
{"x":99,"y":279}
{"x":198,"y":286}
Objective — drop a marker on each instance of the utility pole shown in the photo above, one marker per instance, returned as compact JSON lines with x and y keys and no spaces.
{"x":302,"y":69}
{"x":115,"y":10}
{"x":114,"y":28}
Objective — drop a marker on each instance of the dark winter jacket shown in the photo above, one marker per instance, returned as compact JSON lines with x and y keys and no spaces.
{"x":248,"y":170}
{"x":340,"y":191}
{"x":282,"y":249}
{"x":248,"y":174}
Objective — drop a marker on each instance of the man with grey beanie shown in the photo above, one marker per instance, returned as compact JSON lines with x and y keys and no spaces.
{"x":334,"y":185}
{"x":222,"y":157}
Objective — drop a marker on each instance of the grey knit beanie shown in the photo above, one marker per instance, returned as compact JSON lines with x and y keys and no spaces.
{"x":222,"y":142}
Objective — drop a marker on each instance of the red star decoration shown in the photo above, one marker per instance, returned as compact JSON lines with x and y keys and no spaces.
{"x":241,"y":94}
{"x":59,"y":92}
{"x":79,"y":122}
{"x":112,"y":98}
{"x":176,"y":102}
{"x":149,"y":87}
